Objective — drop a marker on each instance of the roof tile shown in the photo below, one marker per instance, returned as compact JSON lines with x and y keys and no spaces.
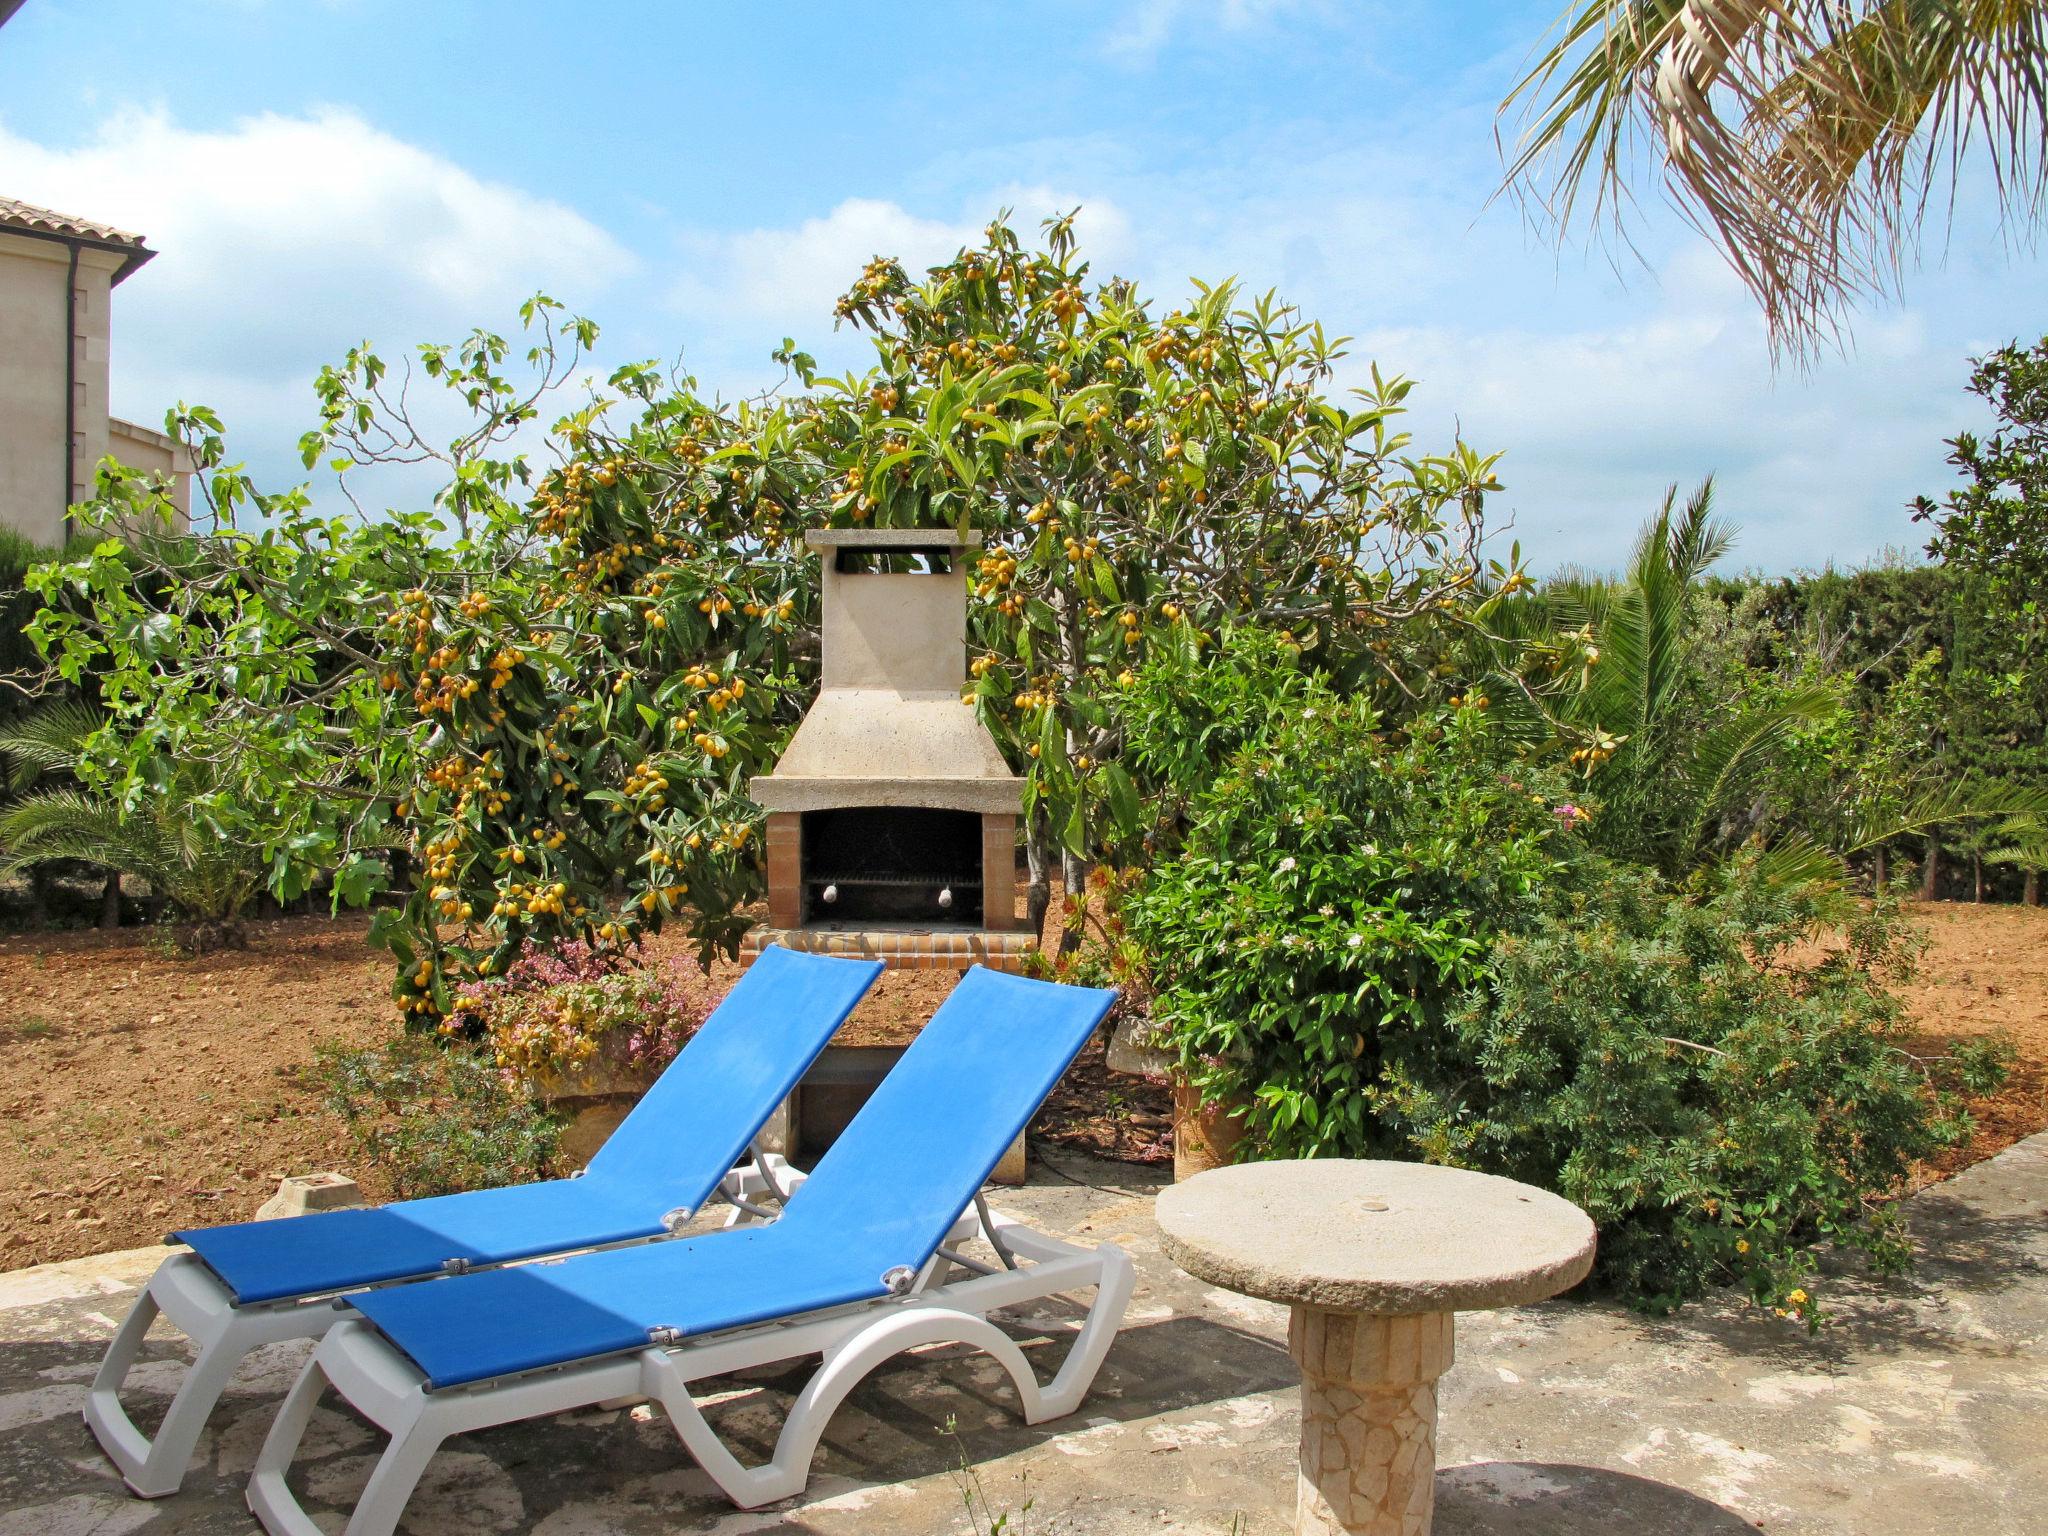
{"x":19,"y":215}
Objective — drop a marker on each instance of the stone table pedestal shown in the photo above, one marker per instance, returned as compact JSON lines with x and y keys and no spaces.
{"x":1376,"y":1259}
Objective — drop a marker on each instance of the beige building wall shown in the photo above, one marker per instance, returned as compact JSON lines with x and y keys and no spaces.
{"x":35,"y":486}
{"x":153,"y":453}
{"x":32,"y":342}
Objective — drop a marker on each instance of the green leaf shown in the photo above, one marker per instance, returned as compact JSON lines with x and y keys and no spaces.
{"x":1105,"y":580}
{"x":1075,"y":834}
{"x":1124,"y":803}
{"x":1051,"y":739}
{"x":358,"y":879}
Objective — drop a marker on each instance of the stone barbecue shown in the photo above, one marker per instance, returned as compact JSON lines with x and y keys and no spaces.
{"x":892,"y":817}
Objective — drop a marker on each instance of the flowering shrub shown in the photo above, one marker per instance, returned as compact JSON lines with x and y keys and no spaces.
{"x":555,"y":1010}
{"x":1336,"y":896}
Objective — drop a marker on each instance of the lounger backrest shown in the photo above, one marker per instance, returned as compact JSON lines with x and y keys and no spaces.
{"x":697,"y":1119}
{"x":906,"y":1167}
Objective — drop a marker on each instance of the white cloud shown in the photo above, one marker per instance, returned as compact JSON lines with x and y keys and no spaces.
{"x":741,"y":292}
{"x":793,"y":276}
{"x":1597,"y":422}
{"x":283,"y":240}
{"x":1149,"y":25}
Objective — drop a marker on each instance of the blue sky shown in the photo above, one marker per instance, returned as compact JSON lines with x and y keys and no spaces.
{"x":704,"y":179}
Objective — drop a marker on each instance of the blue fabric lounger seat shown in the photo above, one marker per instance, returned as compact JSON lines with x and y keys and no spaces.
{"x":669,"y":1156}
{"x":884,"y":1197}
{"x":871,"y":1225}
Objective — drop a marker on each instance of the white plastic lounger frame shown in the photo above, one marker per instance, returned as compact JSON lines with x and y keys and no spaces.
{"x":187,"y":1292}
{"x":387,"y":1388}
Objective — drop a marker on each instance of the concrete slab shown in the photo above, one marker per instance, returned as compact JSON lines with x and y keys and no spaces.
{"x":1925,"y":1409}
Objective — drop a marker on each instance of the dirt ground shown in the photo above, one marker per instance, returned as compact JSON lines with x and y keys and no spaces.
{"x":1986,"y":972}
{"x":143,"y":1092}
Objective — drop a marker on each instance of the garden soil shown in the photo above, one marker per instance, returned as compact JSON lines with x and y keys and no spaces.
{"x":142,"y":1092}
{"x":1986,"y":972}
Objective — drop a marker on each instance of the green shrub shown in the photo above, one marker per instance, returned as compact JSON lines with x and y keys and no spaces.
{"x":1403,"y":945}
{"x":436,"y":1118}
{"x":1334,"y":900}
{"x":1719,"y":1092}
{"x":1193,"y":708}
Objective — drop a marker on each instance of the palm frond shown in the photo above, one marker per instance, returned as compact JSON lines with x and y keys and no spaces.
{"x":1727,"y":758}
{"x":1797,"y":861}
{"x":1698,"y":540}
{"x":48,"y":741}
{"x":2031,"y":852}
{"x":1949,"y":805}
{"x":1643,"y":632}
{"x":70,"y":824}
{"x":1806,"y":137}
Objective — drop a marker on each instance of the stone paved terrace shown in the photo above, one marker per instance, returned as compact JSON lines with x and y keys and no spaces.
{"x":1925,"y":1410}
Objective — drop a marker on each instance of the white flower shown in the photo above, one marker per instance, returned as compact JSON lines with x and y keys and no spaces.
{"x":1354,"y":941}
{"x":1286,"y":864}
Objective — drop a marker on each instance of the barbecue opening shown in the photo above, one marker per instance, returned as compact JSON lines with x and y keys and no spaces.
{"x":892,"y":864}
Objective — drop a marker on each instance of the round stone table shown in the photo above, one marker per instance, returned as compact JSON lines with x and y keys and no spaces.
{"x":1375,"y":1259}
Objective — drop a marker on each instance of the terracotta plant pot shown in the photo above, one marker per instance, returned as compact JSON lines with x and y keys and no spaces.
{"x":1205,"y":1135}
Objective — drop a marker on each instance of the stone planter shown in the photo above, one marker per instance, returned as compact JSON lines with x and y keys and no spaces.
{"x":832,"y":1093}
{"x":1135,"y":1050}
{"x":592,"y":1097}
{"x":1205,"y":1135}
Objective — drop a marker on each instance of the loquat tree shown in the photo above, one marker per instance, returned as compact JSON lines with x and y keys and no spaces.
{"x":1139,"y":479}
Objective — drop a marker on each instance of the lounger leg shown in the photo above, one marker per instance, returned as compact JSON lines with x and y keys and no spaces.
{"x":270,"y":1500}
{"x":748,"y":1487}
{"x":141,"y":1464}
{"x":786,"y":1472}
{"x":397,"y":1473}
{"x":154,"y":1468}
{"x":1063,"y":1394}
{"x":177,"y":1437}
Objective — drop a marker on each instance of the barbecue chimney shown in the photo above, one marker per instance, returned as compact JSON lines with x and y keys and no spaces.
{"x":892,"y":817}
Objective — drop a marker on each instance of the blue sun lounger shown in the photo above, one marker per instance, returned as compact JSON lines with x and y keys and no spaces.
{"x":257,"y":1282}
{"x":860,"y":1267}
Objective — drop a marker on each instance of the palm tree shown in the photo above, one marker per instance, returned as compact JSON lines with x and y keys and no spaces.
{"x":43,"y":745}
{"x":1684,"y":766}
{"x":1687,"y":770}
{"x":1807,"y":138}
{"x":167,"y":838}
